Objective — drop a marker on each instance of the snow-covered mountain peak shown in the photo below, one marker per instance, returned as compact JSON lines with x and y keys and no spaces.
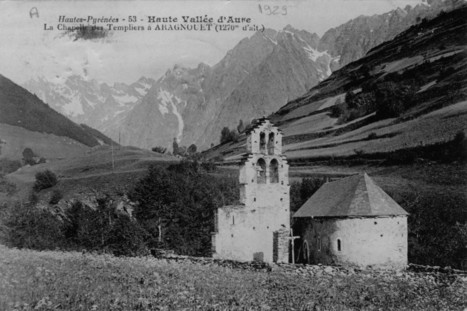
{"x":87,"y":100}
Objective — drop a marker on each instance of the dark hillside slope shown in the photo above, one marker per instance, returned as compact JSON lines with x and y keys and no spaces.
{"x":422,"y":45}
{"x":406,"y":95}
{"x":20,"y":108}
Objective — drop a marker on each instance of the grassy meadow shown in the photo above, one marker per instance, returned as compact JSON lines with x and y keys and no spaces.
{"x":32,"y":280}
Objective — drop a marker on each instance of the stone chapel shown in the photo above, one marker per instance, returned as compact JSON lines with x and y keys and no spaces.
{"x":352,"y":221}
{"x":259,"y":227}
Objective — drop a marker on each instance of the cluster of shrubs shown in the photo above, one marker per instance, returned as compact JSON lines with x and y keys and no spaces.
{"x":437,"y":226}
{"x":232,"y":135}
{"x":177,"y":150}
{"x":174,"y":210}
{"x":182,"y":150}
{"x":101,"y":228}
{"x":45,"y":179}
{"x":177,"y":204}
{"x":228,"y":135}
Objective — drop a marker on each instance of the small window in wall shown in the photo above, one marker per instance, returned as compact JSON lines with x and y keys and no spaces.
{"x":318,"y":242}
{"x":233,"y":220}
{"x":339,"y":245}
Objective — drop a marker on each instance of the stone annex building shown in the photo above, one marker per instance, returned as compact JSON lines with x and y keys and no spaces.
{"x":350,"y":221}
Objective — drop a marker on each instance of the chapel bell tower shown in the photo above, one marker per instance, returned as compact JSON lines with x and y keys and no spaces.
{"x":258,"y":228}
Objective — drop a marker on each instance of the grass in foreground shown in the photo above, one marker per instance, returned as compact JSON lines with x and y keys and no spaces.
{"x":31,"y":280}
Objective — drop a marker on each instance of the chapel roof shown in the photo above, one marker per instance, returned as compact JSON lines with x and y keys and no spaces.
{"x":354,"y":196}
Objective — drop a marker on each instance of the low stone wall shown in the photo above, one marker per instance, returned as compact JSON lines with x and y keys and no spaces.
{"x":311,"y":270}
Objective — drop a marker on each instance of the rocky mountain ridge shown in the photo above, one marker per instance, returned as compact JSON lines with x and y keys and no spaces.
{"x":192,"y":105}
{"x":257,"y":77}
{"x":352,"y":40}
{"x":96,"y":104}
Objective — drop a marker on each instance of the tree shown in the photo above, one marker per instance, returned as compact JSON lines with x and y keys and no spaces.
{"x":349,"y":96}
{"x":192,"y":149}
{"x":175,"y":147}
{"x":45,"y":179}
{"x":240,"y":127}
{"x":365,"y":70}
{"x":338,"y":109}
{"x":105,"y":228}
{"x":233,"y":136}
{"x":56,"y":196}
{"x":225,"y":135}
{"x":437,"y":224}
{"x":28,"y":156}
{"x":249,"y":125}
{"x":391,"y":99}
{"x":32,"y":227}
{"x":180,"y":201}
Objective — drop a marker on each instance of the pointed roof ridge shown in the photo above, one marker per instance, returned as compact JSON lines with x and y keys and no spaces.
{"x":380,"y":201}
{"x":354,"y":196}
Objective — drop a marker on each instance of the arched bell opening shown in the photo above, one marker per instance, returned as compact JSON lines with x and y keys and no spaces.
{"x":271,"y":143}
{"x":262,"y":142}
{"x":274,"y":171}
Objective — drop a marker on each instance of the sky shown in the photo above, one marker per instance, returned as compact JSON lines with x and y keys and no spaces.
{"x":29,"y":51}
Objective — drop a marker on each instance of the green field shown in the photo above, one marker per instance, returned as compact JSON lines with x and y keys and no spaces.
{"x":86,"y":173}
{"x":31,"y":280}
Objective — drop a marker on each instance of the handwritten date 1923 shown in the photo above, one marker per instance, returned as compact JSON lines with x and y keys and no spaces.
{"x":272,"y":9}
